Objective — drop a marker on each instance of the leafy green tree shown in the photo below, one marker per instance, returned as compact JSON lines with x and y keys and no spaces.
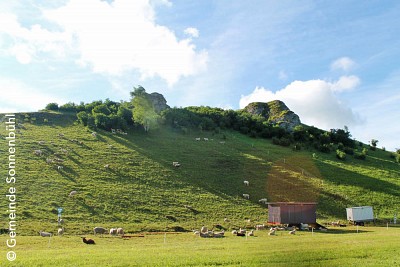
{"x":52,"y":106}
{"x":374,"y":143}
{"x":83,"y":117}
{"x":143,"y":112}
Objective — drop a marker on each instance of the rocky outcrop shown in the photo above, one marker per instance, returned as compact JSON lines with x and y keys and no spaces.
{"x":275,"y":112}
{"x":158,"y":101}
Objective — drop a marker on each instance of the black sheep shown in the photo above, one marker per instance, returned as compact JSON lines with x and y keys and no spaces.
{"x":88,"y":241}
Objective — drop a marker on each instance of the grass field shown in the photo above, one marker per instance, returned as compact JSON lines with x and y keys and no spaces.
{"x":371,"y":246}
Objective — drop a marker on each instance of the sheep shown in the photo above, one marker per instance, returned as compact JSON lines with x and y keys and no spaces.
{"x":113,"y":231}
{"x":242,"y":231}
{"x":260,"y":226}
{"x":112,"y":130}
{"x":205,"y":139}
{"x":195,"y":232}
{"x":107,"y":166}
{"x":219,"y":234}
{"x":120,"y":231}
{"x":293,"y":232}
{"x":94,"y":134}
{"x":49,"y":161}
{"x":60,"y":221}
{"x":73,"y":193}
{"x":246,"y":196}
{"x":273,"y":232}
{"x":38,"y":152}
{"x":88,"y":241}
{"x":204,"y":229}
{"x":222,"y":142}
{"x":234,"y":232}
{"x":198,"y":139}
{"x":263,"y":201}
{"x":251,"y":233}
{"x":60,"y":231}
{"x":60,"y":167}
{"x":99,"y":230}
{"x":41,"y":143}
{"x":61,"y":135}
{"x":304,"y":226}
{"x":246,"y":183}
{"x":176,"y":164}
{"x":226,"y":220}
{"x":45,"y":234}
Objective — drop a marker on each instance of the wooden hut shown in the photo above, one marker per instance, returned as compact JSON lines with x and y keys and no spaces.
{"x":292,"y":213}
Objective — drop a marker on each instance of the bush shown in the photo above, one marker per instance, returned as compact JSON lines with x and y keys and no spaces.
{"x":359,"y":155}
{"x":340,"y":154}
{"x":52,"y":106}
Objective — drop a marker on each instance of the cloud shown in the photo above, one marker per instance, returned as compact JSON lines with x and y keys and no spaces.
{"x":111,"y":38}
{"x":121,"y":36}
{"x":192,"y":32}
{"x":17,"y":96}
{"x":343,"y":63}
{"x":315,"y":101}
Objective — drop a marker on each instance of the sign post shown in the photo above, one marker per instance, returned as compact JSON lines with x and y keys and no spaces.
{"x":59,"y":215}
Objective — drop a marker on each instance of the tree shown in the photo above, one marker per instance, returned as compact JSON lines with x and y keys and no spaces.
{"x":143,"y":111}
{"x":374,"y":143}
{"x":52,"y":106}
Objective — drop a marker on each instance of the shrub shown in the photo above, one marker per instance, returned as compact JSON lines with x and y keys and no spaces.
{"x":340,"y":154}
{"x":52,"y":106}
{"x":359,"y":155}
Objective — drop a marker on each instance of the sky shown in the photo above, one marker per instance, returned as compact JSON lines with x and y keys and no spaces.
{"x":334,"y":63}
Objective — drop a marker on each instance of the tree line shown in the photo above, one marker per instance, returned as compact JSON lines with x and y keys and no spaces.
{"x":139,"y":113}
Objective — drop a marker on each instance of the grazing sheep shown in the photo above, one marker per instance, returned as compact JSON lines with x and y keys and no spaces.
{"x":246,"y":196}
{"x":41,"y":143}
{"x":73,"y":193}
{"x":272,"y":231}
{"x":38,"y":152}
{"x":107,"y":166}
{"x":198,"y":139}
{"x":60,"y":168}
{"x":60,"y":231}
{"x":263,"y":201}
{"x":99,"y":230}
{"x":246,"y":183}
{"x":251,"y":233}
{"x":195,"y":232}
{"x":176,"y":164}
{"x":60,"y":221}
{"x":234,"y":232}
{"x":205,"y":139}
{"x":120,"y":231}
{"x":94,"y":134}
{"x":222,"y":142}
{"x":45,"y":234}
{"x":113,"y":231}
{"x":219,"y":234}
{"x":260,"y":226}
{"x":49,"y":161}
{"x":293,"y":232}
{"x":242,"y":231}
{"x":304,"y":226}
{"x":204,"y":229}
{"x":88,"y":241}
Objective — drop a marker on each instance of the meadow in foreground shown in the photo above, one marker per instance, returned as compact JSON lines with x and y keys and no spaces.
{"x":371,"y":246}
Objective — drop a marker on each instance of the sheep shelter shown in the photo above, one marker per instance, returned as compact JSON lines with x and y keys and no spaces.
{"x":292,"y":213}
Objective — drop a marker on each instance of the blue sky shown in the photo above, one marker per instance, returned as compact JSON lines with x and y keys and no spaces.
{"x":334,"y":63}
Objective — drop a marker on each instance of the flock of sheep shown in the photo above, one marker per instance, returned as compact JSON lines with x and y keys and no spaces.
{"x":206,"y":233}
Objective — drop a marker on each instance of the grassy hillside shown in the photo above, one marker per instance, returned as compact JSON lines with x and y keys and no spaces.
{"x":143,"y":191}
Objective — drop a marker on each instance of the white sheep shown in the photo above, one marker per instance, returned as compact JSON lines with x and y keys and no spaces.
{"x":234,"y":232}
{"x":251,"y":233}
{"x":205,"y":139}
{"x":272,"y":232}
{"x":219,"y":234}
{"x":41,"y":143}
{"x":107,"y":166}
{"x":45,"y":234}
{"x":38,"y":152}
{"x":94,"y":134}
{"x":113,"y":231}
{"x":204,"y":229}
{"x":120,"y":231}
{"x":176,"y":164}
{"x":198,"y":139}
{"x":263,"y":201}
{"x":73,"y":193}
{"x":246,"y":183}
{"x":60,"y":231}
{"x":60,"y":168}
{"x":293,"y":232}
{"x":260,"y":226}
{"x":246,"y":196}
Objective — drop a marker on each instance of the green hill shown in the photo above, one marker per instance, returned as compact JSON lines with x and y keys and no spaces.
{"x":142,"y":190}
